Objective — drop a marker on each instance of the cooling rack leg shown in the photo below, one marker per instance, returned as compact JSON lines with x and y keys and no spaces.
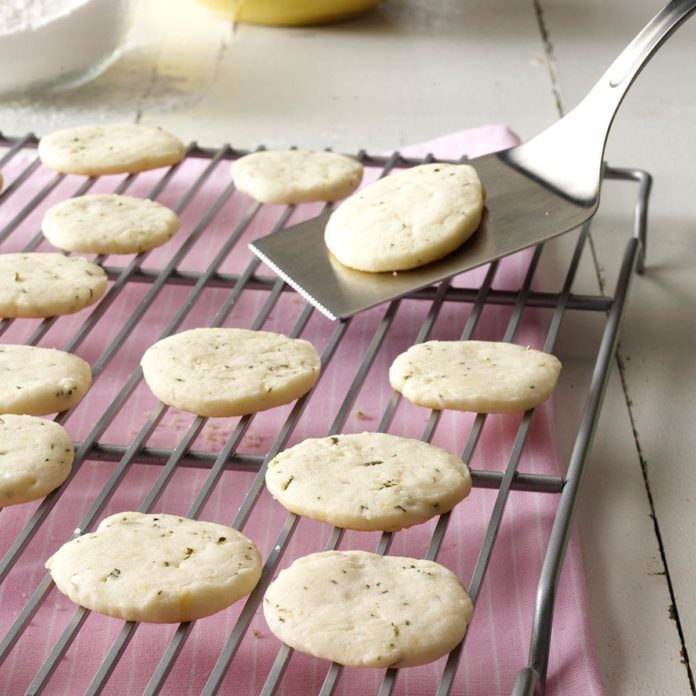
{"x":525,"y":683}
{"x":640,"y":217}
{"x":558,"y":542}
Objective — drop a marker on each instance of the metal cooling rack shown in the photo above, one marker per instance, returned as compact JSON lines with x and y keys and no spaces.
{"x":184,"y":454}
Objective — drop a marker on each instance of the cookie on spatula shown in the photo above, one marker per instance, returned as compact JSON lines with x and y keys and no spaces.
{"x":407,"y":219}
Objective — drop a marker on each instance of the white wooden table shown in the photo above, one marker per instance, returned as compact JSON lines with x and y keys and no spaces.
{"x":411,"y":71}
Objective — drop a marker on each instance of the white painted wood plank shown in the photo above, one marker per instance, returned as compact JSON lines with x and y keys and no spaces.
{"x":406,"y":72}
{"x":637,"y":644}
{"x":652,"y":131}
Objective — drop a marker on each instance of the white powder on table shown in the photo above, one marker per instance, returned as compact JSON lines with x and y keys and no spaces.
{"x":45,"y":42}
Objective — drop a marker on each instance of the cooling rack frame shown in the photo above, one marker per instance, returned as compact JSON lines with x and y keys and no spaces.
{"x":530,"y":678}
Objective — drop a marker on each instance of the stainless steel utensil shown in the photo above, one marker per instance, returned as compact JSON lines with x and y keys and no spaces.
{"x":535,"y":191}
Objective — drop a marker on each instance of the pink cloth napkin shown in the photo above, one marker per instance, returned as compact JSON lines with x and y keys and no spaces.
{"x":497,"y":644}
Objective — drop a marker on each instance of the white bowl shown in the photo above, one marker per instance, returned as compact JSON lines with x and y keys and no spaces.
{"x":63,"y":49}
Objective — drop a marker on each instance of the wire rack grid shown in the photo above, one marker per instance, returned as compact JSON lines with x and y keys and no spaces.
{"x":134,"y":453}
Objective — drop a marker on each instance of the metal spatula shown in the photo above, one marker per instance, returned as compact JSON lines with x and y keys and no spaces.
{"x":535,"y":191}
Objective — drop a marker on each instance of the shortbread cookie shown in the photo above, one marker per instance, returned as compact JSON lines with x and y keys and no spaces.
{"x":47,"y":285}
{"x":407,"y":219}
{"x":296,"y":176}
{"x":479,"y":376}
{"x":364,"y":610}
{"x":114,"y":148}
{"x":109,"y":224}
{"x":156,"y":568}
{"x":368,"y":481}
{"x":229,"y":372}
{"x":39,"y":381}
{"x":35,"y":458}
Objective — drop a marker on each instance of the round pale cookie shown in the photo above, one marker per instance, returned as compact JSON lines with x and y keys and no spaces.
{"x":39,"y":381}
{"x":360,"y":609}
{"x":35,"y":458}
{"x":478,"y":376}
{"x":296,"y":176}
{"x":109,"y":224}
{"x":229,"y":372}
{"x":368,"y":481}
{"x":156,"y":568}
{"x":115,"y":148}
{"x":48,"y":285}
{"x":407,"y":219}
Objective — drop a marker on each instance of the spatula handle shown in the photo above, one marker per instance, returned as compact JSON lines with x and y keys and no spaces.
{"x":623,"y":71}
{"x":568,"y":156}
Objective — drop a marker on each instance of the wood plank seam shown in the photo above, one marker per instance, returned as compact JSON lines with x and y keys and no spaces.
{"x":674,"y":609}
{"x":550,"y":57}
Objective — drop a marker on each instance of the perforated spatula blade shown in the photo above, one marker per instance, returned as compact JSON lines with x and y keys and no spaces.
{"x":534,"y":191}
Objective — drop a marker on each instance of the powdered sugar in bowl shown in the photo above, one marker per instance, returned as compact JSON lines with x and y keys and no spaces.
{"x":54,"y":44}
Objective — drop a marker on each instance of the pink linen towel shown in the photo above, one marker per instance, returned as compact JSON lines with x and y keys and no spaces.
{"x":498,"y":639}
